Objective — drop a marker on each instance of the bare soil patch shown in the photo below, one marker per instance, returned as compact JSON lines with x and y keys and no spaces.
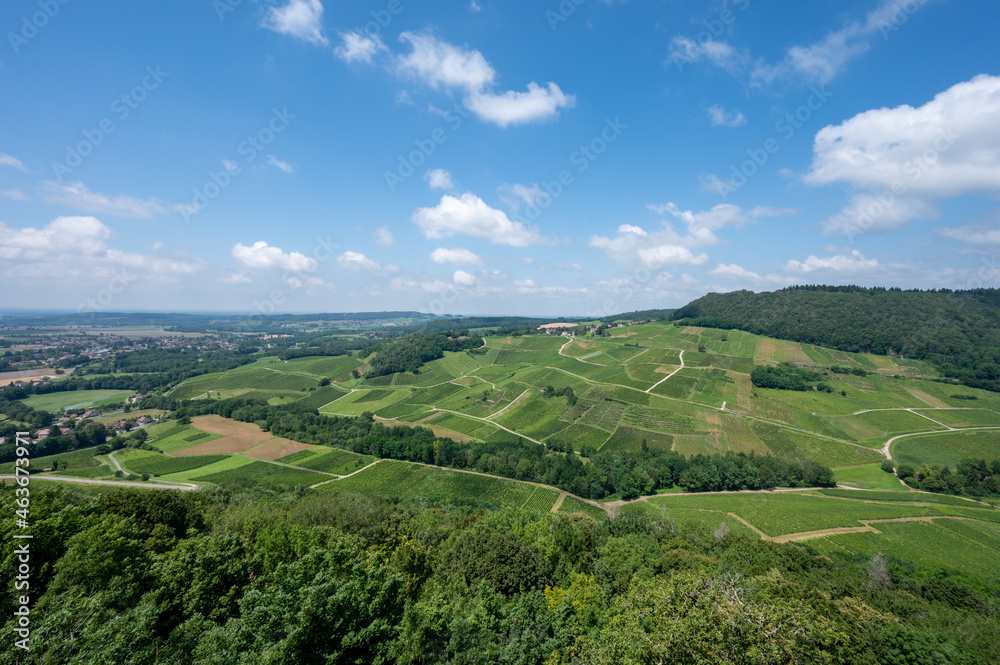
{"x":237,"y":436}
{"x":276,"y":448}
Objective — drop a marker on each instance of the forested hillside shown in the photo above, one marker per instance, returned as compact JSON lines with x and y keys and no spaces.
{"x":958,"y":331}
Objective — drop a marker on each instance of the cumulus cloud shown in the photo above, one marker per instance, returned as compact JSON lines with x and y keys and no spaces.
{"x":439,"y":179}
{"x":512,"y":107}
{"x":666,"y":246}
{"x":470,"y":215}
{"x":356,"y":47}
{"x":463,"y":279}
{"x":73,"y":235}
{"x":456,"y":256}
{"x":357,"y":261}
{"x":948,"y":146}
{"x":851,"y":263}
{"x":263,"y":256}
{"x":77,"y":195}
{"x":302,"y":19}
{"x":384,"y":237}
{"x":75,"y":250}
{"x":733,"y":270}
{"x":437,"y":63}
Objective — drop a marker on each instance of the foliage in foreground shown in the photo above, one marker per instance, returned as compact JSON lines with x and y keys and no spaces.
{"x":137,"y":577}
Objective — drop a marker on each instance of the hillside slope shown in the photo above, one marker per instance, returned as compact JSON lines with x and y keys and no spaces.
{"x":958,"y":331}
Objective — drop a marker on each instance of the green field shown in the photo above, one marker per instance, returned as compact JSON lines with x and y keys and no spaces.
{"x":866,"y":476}
{"x":258,"y":473}
{"x":948,"y":448}
{"x":77,"y":459}
{"x":162,"y":465}
{"x":967,"y":546}
{"x":76,"y":399}
{"x":781,"y":514}
{"x":405,"y":480}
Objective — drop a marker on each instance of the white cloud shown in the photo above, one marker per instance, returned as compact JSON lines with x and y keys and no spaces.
{"x":14,"y":194}
{"x":687,"y":51}
{"x":948,"y":146}
{"x":658,"y":249}
{"x":733,"y":270}
{"x":463,"y":279}
{"x":439,"y":179}
{"x":359,"y":48}
{"x":236,"y":278}
{"x":972,"y":234}
{"x":662,"y":256}
{"x":852,"y":263}
{"x":302,"y":19}
{"x":383,"y":237}
{"x":869,"y":213}
{"x":261,"y":255}
{"x":356,"y":261}
{"x":83,"y":236}
{"x":516,"y":195}
{"x":73,"y":251}
{"x":720,"y":117}
{"x":13,"y":162}
{"x":470,"y":215}
{"x":456,"y":256}
{"x":824,"y":60}
{"x":437,"y":62}
{"x":77,"y":195}
{"x":512,"y":107}
{"x":284,"y":166}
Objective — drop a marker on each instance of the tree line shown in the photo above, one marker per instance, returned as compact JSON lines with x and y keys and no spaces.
{"x":957,"y":331}
{"x":620,"y":473}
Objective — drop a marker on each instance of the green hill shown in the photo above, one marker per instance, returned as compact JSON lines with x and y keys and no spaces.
{"x":957,"y":331}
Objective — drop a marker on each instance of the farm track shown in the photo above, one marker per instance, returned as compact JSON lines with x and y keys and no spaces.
{"x":867,"y":528}
{"x":111,"y":456}
{"x":650,"y":389}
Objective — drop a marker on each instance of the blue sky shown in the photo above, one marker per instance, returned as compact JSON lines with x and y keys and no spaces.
{"x":582,"y":157}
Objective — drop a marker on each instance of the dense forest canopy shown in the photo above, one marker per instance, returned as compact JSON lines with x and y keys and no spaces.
{"x":957,"y":331}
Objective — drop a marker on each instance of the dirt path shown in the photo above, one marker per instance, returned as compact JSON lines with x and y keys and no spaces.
{"x":650,"y":389}
{"x":111,"y":456}
{"x":512,"y":403}
{"x":559,"y":503}
{"x":341,"y":477}
{"x":861,"y":529}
